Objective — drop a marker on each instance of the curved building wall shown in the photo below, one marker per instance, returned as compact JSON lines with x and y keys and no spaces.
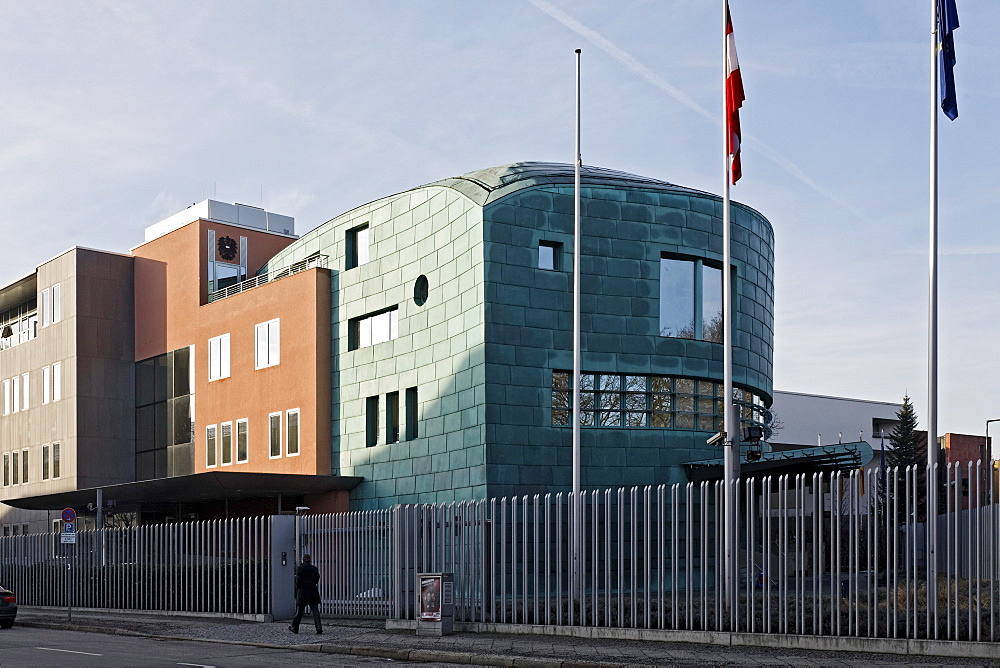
{"x":626,"y":232}
{"x":495,"y":332}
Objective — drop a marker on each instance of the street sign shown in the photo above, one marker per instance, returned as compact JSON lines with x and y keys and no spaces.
{"x":69,"y":527}
{"x":67,"y":538}
{"x":68,"y":515}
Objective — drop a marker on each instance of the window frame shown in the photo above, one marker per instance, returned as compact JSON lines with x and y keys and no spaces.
{"x":212,"y":429}
{"x":219,"y":347}
{"x":24,"y":466}
{"x":555,"y":248}
{"x":352,"y":250}
{"x":56,"y":303}
{"x":56,"y":381}
{"x":412,"y":417}
{"x":371,"y":421}
{"x":56,"y":463}
{"x":298,"y":432}
{"x":223,"y":449}
{"x":46,"y":385}
{"x":25,"y":391}
{"x":45,"y":462}
{"x":272,"y":344}
{"x":245,"y":449}
{"x":270,"y":435}
{"x":6,"y":469}
{"x":361,"y":330}
{"x":696,"y":331}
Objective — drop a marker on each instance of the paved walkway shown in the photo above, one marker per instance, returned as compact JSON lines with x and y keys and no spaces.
{"x":370,"y":638}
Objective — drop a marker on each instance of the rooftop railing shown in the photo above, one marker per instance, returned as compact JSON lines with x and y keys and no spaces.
{"x":314,"y":261}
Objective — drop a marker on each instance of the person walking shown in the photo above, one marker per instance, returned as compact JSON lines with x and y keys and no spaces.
{"x":306,"y":593}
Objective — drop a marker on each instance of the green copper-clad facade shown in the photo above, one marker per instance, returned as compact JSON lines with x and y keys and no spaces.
{"x":452,"y":332}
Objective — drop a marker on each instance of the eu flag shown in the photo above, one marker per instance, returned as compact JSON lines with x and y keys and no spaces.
{"x":947,"y":22}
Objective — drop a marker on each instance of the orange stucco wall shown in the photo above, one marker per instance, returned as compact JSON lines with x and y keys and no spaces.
{"x":171,"y":287}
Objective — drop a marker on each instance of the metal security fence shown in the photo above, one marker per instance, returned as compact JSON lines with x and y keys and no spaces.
{"x":218,"y":566}
{"x":353,"y":552}
{"x":841,"y":554}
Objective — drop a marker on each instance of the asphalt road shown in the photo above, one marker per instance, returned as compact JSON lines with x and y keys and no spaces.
{"x":22,"y":646}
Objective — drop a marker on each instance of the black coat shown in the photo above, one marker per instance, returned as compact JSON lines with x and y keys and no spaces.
{"x":306,"y":579}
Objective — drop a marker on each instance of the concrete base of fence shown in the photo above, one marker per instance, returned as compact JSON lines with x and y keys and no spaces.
{"x":971,"y":650}
{"x":163,"y":613}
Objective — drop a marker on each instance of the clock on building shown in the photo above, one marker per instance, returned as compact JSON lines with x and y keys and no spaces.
{"x":227,"y":248}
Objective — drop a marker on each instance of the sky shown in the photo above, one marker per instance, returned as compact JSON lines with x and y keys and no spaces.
{"x":115,"y":115}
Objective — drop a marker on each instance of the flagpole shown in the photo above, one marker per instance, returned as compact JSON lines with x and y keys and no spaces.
{"x":932,"y":329}
{"x":731,"y":447}
{"x":577,"y":162}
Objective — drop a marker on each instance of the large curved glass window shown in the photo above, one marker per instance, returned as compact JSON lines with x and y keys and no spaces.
{"x":639,"y":401}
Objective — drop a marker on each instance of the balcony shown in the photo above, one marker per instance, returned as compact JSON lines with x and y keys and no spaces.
{"x":312,"y":262}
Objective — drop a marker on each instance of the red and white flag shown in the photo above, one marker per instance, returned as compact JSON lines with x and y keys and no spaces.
{"x":734,"y":100}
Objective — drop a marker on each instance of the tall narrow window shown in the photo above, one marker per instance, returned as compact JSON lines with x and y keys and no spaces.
{"x":211,"y":447}
{"x":46,"y":384}
{"x":25,"y":392}
{"x":55,"y":460}
{"x":690,"y":300}
{"x":16,"y":404}
{"x":357,"y":246}
{"x":412,"y":430}
{"x":242,"y":446}
{"x":56,"y":303}
{"x":57,"y":381}
{"x":6,"y":396}
{"x":45,"y":462}
{"x":371,"y":421}
{"x":218,"y":357}
{"x":227,"y":443}
{"x":292,"y":427}
{"x":15,"y":468}
{"x":6,"y":469}
{"x":44,"y":306}
{"x":274,"y":434}
{"x":24,"y":465}
{"x":267,"y":336}
{"x":392,"y":417}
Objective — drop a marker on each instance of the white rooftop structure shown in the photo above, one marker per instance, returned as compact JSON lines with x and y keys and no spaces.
{"x":241,"y":215}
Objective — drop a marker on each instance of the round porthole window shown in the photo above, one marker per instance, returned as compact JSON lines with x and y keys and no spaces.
{"x":420,"y":291}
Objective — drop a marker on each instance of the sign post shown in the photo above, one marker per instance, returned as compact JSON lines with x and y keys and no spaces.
{"x":68,"y":537}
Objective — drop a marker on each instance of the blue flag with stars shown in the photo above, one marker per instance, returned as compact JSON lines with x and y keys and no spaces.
{"x":947,"y":22}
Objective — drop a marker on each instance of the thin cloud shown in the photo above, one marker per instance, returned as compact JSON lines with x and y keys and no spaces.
{"x":644,"y":72}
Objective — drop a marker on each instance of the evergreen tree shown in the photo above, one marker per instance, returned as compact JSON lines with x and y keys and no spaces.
{"x":909,"y":448}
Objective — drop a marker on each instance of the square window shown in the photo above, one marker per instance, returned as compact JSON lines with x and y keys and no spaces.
{"x":550,"y":255}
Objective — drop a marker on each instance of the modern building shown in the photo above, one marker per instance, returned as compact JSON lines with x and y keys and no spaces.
{"x":414,"y":349}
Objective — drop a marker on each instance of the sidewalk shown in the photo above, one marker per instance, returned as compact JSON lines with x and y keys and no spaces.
{"x":370,"y":638}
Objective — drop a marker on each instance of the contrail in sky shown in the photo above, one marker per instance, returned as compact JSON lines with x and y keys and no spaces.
{"x":644,"y":72}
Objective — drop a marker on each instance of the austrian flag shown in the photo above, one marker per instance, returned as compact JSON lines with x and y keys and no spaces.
{"x":734,"y":100}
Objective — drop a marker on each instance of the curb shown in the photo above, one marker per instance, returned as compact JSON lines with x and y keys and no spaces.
{"x":397,"y":654}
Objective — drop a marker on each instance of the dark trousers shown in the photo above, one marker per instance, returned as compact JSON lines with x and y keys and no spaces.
{"x":300,"y":609}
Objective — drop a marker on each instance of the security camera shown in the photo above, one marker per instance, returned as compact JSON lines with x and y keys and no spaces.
{"x":718,"y":439}
{"x":301,"y":509}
